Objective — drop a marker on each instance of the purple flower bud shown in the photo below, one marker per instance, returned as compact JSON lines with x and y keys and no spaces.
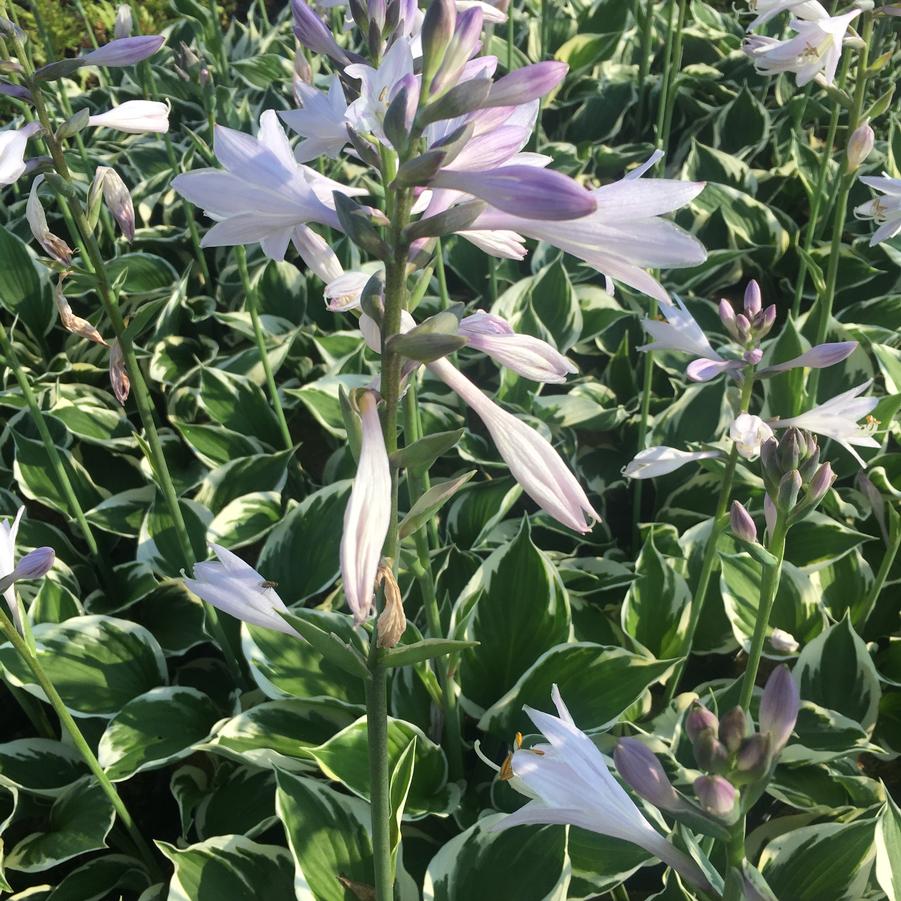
{"x":860,"y":145}
{"x":733,"y":728}
{"x":376,"y":10}
{"x":754,"y":757}
{"x":124,"y":51}
{"x":767,"y":321}
{"x":15,"y":90}
{"x":769,"y":513}
{"x":118,"y":374}
{"x":313,"y":34}
{"x":753,"y":300}
{"x":779,"y":707}
{"x":743,"y":327}
{"x":741,"y":523}
{"x":753,"y":356}
{"x":35,"y":564}
{"x":523,"y":191}
{"x":438,"y":26}
{"x":727,"y":317}
{"x":698,"y":721}
{"x":527,"y":84}
{"x":641,"y":770}
{"x":792,"y":449}
{"x":717,"y":796}
{"x":123,"y":24}
{"x":788,"y":491}
{"x":117,"y":198}
{"x":461,"y":47}
{"x":816,"y":358}
{"x":703,"y":369}
{"x":820,"y":483}
{"x":710,"y":753}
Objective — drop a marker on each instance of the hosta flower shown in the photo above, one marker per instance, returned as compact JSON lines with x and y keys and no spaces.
{"x":31,"y":566}
{"x":814,"y":52}
{"x":124,"y":51}
{"x":320,"y":121}
{"x":885,"y":211}
{"x":533,"y":462}
{"x":262,"y":195}
{"x":749,"y":432}
{"x":368,"y":513}
{"x":568,"y":783}
{"x":367,"y":112}
{"x":801,"y":9}
{"x":343,"y":293}
{"x":236,"y":588}
{"x":838,"y":419}
{"x":660,"y":460}
{"x":625,"y":235}
{"x":124,"y":23}
{"x":530,"y":357}
{"x":680,"y":332}
{"x":13,"y":142}
{"x":135,"y":117}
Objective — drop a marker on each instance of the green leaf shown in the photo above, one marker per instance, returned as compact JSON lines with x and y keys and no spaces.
{"x":154,"y":729}
{"x":345,"y":758}
{"x":96,"y":663}
{"x":835,"y":858}
{"x":399,"y":790}
{"x":600,"y":863}
{"x":423,"y":453}
{"x":516,"y":607}
{"x":431,"y":502}
{"x":427,"y":649}
{"x":229,"y":866}
{"x":80,"y":820}
{"x":158,"y":542}
{"x":284,"y":666}
{"x":820,"y":539}
{"x":888,"y":849}
{"x":262,"y":472}
{"x":554,"y":304}
{"x":836,"y":672}
{"x":144,"y":273}
{"x":241,"y":804}
{"x":246,"y":519}
{"x":479,"y":865}
{"x":23,"y":292}
{"x":311,"y":525}
{"x":321,"y":398}
{"x":331,"y":645}
{"x":278,"y":733}
{"x":98,"y":877}
{"x":238,"y":404}
{"x":328,"y":836}
{"x":598,"y":683}
{"x":40,"y":766}
{"x":655,"y":611}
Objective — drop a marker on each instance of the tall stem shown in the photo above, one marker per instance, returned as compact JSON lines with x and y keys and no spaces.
{"x":885,"y":567}
{"x":56,"y":463}
{"x":644,"y":59}
{"x":78,"y":740}
{"x":252,"y":303}
{"x":673,"y":68}
{"x":824,"y":308}
{"x":647,"y":377}
{"x":708,"y":563}
{"x":666,"y":74}
{"x":769,"y":584}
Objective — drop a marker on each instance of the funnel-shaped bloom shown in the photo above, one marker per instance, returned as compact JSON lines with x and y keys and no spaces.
{"x":13,"y":142}
{"x":625,"y":235}
{"x":886,"y":210}
{"x":377,"y":88}
{"x":680,"y":332}
{"x":135,"y":117}
{"x":533,"y":462}
{"x":368,"y":513}
{"x":812,"y":53}
{"x":31,"y":566}
{"x":661,"y":460}
{"x":838,"y":419}
{"x":530,"y":357}
{"x":569,"y":783}
{"x":262,"y":195}
{"x":818,"y":357}
{"x":320,"y":121}
{"x":749,"y":432}
{"x":801,"y":9}
{"x":235,"y":587}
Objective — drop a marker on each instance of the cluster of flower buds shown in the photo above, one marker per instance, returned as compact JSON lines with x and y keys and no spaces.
{"x":731,"y":755}
{"x":752,"y":325}
{"x":191,"y":67}
{"x":796,"y":481}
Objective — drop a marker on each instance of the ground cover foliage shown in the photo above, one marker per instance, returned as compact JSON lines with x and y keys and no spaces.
{"x":155,"y":747}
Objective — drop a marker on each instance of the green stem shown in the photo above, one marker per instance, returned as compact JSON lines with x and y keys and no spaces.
{"x":673,"y":69}
{"x":769,"y":584}
{"x":736,"y":848}
{"x":885,"y":567}
{"x":379,"y":779}
{"x":418,"y":484}
{"x":709,"y":561}
{"x":824,"y":308}
{"x":667,"y":75}
{"x":647,"y":378}
{"x":78,"y":740}
{"x":252,"y":303}
{"x":56,"y":462}
{"x":442,"y":275}
{"x":620,"y":893}
{"x":644,"y":60}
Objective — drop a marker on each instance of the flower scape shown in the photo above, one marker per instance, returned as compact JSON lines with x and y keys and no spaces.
{"x":449,"y":450}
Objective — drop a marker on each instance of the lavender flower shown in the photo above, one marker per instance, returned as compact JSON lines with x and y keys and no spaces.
{"x":13,"y":143}
{"x":321,"y":121}
{"x":886,"y":210}
{"x":31,"y":566}
{"x":124,"y":51}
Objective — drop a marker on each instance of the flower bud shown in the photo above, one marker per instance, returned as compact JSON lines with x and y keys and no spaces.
{"x":717,"y":796}
{"x":74,"y":124}
{"x":779,"y":707}
{"x":769,"y":514}
{"x":710,"y":753}
{"x":698,"y":721}
{"x":118,"y":374}
{"x":753,"y":299}
{"x":123,"y":25}
{"x":783,"y":642}
{"x":788,"y":491}
{"x":769,"y":461}
{"x":727,"y":317}
{"x":860,"y":145}
{"x":32,"y":566}
{"x":641,"y":770}
{"x":767,"y":320}
{"x":820,"y":484}
{"x":792,"y":449}
{"x":437,"y":30}
{"x":124,"y":51}
{"x":754,"y":757}
{"x":743,"y":327}
{"x":733,"y":728}
{"x":376,"y":12}
{"x":741,"y":523}
{"x":117,"y":199}
{"x":753,"y":356}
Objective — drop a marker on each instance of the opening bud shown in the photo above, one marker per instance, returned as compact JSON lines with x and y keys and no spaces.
{"x":641,"y":770}
{"x":779,"y":707}
{"x":698,"y":721}
{"x":754,"y":757}
{"x":753,"y":299}
{"x":437,"y":30}
{"x":741,"y":523}
{"x":717,"y":796}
